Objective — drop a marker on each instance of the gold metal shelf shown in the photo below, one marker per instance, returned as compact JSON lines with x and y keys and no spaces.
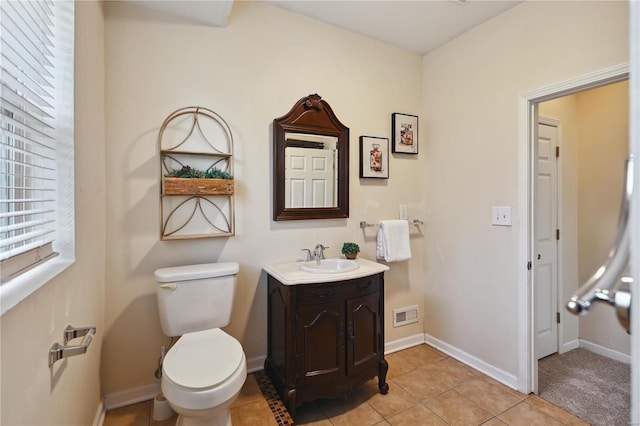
{"x":195,"y":215}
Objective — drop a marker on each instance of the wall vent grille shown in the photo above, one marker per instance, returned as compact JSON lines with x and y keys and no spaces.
{"x":404,"y":316}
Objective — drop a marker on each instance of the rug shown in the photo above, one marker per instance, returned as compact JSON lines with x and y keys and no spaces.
{"x":277,"y":407}
{"x":591,"y":386}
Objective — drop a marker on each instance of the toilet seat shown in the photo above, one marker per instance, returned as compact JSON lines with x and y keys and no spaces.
{"x":202,"y":360}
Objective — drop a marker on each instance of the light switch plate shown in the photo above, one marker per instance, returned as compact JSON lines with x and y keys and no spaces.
{"x":403,"y":212}
{"x":501,"y":216}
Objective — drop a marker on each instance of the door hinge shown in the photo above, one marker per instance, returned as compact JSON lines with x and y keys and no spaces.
{"x":557,"y":151}
{"x":558,"y":317}
{"x":558,"y":234}
{"x":528,"y":266}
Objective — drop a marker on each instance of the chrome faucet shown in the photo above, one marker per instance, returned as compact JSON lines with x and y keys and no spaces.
{"x":318,"y":252}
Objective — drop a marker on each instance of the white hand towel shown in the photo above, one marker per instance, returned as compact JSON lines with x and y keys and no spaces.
{"x":393,"y":241}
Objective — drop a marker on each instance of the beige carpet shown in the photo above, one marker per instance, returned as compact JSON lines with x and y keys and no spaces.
{"x":593,"y":387}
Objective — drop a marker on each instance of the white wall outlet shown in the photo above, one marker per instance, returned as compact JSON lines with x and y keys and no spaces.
{"x":501,"y":216}
{"x":403,"y":212}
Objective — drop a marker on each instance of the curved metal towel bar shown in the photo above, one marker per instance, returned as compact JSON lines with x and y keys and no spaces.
{"x":605,"y":283}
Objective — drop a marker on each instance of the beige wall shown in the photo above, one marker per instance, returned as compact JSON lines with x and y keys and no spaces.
{"x":604,"y":146}
{"x":250,"y":72}
{"x":471,"y":88}
{"x":69,"y":393}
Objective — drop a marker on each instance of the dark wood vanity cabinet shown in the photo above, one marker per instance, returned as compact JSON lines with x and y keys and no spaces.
{"x":325,"y":339}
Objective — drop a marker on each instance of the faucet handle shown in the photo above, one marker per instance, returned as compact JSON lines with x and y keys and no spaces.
{"x":319,"y":251}
{"x":308,"y":254}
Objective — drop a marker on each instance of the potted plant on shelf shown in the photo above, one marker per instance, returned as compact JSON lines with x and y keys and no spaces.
{"x":350,"y":250}
{"x":189,"y":181}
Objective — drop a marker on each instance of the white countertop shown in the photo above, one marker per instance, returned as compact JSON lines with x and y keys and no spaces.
{"x":288,"y":273}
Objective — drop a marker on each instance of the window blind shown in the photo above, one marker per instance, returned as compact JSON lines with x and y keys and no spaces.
{"x":30,"y":141}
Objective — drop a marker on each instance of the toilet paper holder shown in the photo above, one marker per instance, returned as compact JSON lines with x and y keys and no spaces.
{"x":58,"y":351}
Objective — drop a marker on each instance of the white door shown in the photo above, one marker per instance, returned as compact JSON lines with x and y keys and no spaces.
{"x":545,"y":260}
{"x":309,"y":177}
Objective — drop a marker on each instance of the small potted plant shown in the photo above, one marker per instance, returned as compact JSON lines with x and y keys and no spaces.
{"x":350,"y":250}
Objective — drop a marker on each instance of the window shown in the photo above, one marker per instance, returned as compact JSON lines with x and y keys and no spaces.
{"x":36,"y":144}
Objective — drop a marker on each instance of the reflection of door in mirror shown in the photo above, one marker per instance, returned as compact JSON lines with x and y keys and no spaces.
{"x":310,"y":172}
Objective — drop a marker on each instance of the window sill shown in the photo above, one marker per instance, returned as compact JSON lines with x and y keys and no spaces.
{"x":19,"y":288}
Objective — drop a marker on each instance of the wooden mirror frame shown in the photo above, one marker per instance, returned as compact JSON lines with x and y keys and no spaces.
{"x":310,"y":115}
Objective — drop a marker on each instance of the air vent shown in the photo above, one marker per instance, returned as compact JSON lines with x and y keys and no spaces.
{"x":404,"y":316}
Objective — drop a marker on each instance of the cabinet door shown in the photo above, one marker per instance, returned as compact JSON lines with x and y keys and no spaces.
{"x":363,"y":333}
{"x":320,"y":343}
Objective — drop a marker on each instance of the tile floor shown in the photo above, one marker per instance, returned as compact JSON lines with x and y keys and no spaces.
{"x":426,"y":387}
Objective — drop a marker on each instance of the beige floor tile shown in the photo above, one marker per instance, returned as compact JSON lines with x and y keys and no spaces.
{"x":448,"y":373}
{"x":494,"y":422}
{"x":492,"y":398}
{"x":421,"y":384}
{"x":417,"y":415}
{"x":524,"y":414}
{"x":408,"y":360}
{"x":382,"y":423}
{"x":250,"y":392}
{"x":395,"y":401}
{"x":421,"y":354}
{"x":455,"y":409}
{"x":252,"y":414}
{"x":351,"y":410}
{"x":555,"y":412}
{"x":131,"y":415}
{"x":507,"y":389}
{"x":398,"y":366}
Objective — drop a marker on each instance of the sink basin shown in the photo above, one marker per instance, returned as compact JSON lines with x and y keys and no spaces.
{"x":329,"y":266}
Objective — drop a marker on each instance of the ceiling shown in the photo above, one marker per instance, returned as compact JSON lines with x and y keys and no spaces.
{"x":415,"y":25}
{"x":418,"y":25}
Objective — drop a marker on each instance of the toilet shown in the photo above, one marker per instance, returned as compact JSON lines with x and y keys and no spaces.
{"x":203,"y":372}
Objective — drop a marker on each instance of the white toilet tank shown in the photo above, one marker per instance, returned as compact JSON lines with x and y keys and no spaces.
{"x":195,"y":297}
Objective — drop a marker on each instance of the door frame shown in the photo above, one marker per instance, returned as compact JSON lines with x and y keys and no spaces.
{"x":527,"y":132}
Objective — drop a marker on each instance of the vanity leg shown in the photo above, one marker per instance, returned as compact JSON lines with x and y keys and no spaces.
{"x":383,"y":367}
{"x":289,"y":400}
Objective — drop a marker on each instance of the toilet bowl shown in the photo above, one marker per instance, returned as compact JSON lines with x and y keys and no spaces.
{"x":203,"y":372}
{"x":202,"y":375}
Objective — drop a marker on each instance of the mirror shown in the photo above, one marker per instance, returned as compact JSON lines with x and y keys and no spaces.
{"x":311,"y":163}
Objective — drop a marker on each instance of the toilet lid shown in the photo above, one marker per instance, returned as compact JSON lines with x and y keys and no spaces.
{"x":202,"y":359}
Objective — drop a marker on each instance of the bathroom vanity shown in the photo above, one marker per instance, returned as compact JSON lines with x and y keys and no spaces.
{"x":325,"y":331}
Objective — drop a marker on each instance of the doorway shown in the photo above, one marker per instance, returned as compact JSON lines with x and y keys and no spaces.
{"x":578,"y":188}
{"x":529,"y":108}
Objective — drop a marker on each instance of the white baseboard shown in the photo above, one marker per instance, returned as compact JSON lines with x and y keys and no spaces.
{"x":131,"y":396}
{"x":256,"y":363}
{"x":404,"y":343}
{"x":569,"y":346}
{"x":147,"y":392}
{"x":601,"y":350}
{"x":495,"y":373}
{"x":98,"y":419}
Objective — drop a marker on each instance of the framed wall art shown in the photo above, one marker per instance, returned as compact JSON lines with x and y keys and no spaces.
{"x":374,"y":157}
{"x":404,"y":128}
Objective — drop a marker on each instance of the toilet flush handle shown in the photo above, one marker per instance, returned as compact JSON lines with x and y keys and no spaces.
{"x":170,"y":286}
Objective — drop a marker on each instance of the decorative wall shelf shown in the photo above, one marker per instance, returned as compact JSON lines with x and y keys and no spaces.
{"x":195,"y":138}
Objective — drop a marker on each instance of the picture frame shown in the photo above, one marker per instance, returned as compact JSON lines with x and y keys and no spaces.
{"x":374,"y":157}
{"x":404,"y":128}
